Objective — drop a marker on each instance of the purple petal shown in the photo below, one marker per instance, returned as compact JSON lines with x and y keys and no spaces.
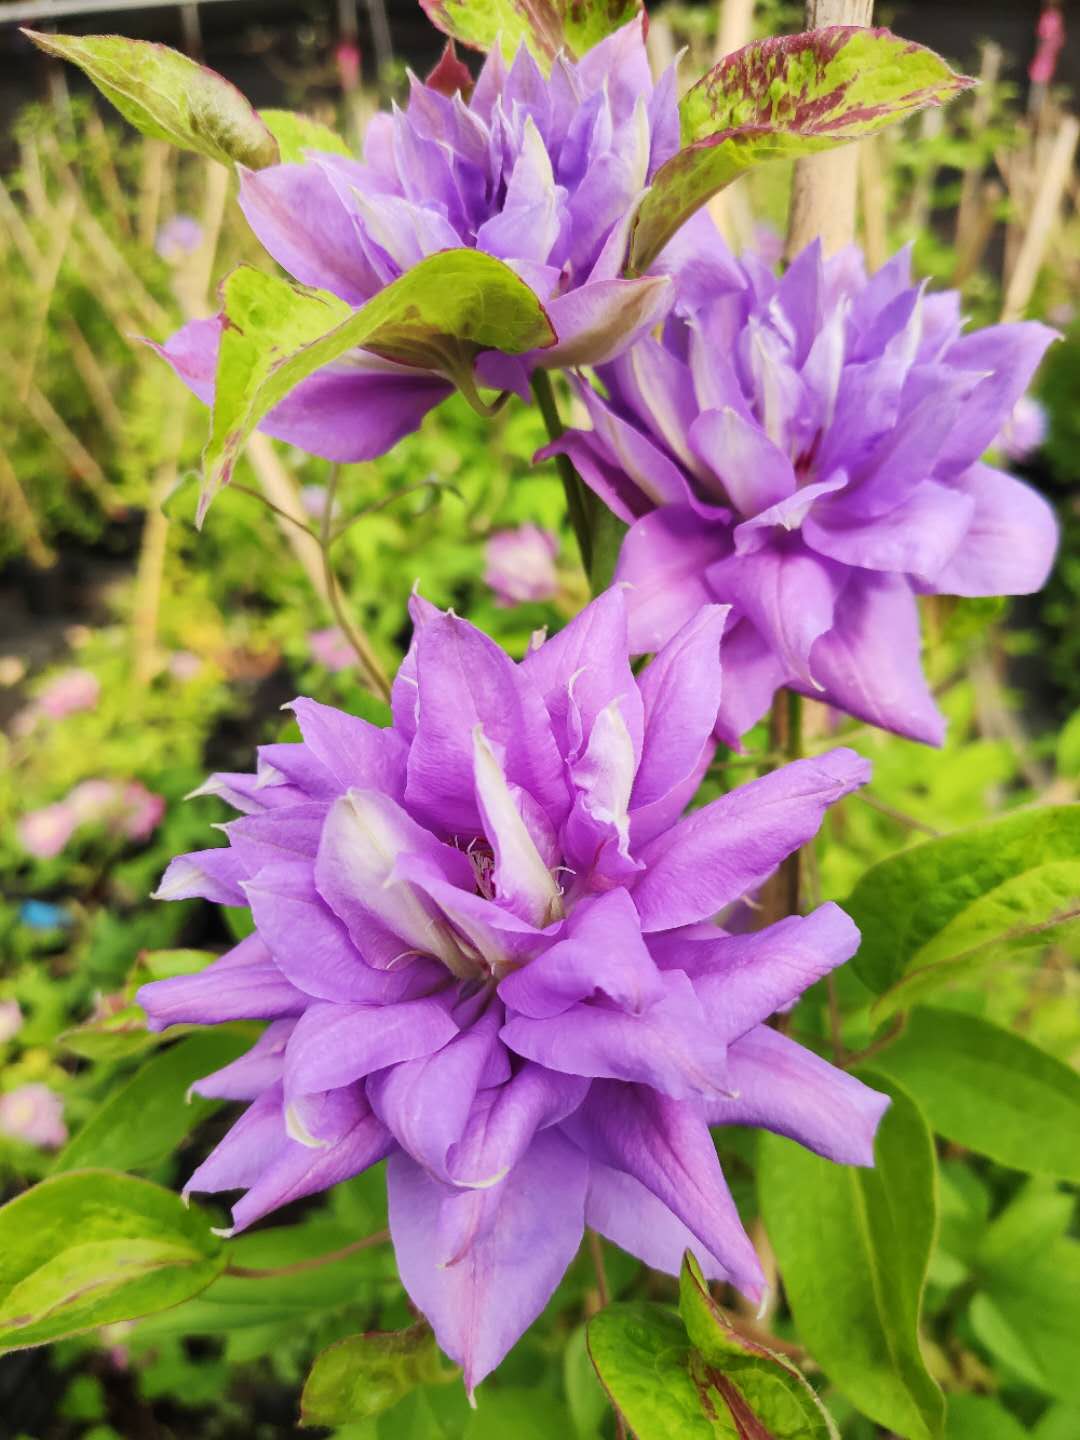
{"x":252,"y":1144}
{"x":501,"y":1130}
{"x":333,"y":1045}
{"x":662,"y":563}
{"x":273,"y":836}
{"x":787,"y":593}
{"x":653,"y":472}
{"x":495,"y":933}
{"x":479,"y":1307}
{"x":596,"y":837}
{"x":621,"y":1209}
{"x":244,"y":984}
{"x":312,"y":947}
{"x":524,"y":882}
{"x":790,"y":1090}
{"x":598,"y":321}
{"x":727,"y":849}
{"x":354,"y":751}
{"x":669,"y":1046}
{"x":302,"y":221}
{"x":426,"y":1102}
{"x":1008,"y":355}
{"x":680,"y":691}
{"x":364,"y":834}
{"x":665,"y":1145}
{"x":1009,"y":546}
{"x":752,"y":675}
{"x":789,"y":514}
{"x":583,"y":668}
{"x":918,"y":537}
{"x":247,"y":1077}
{"x":869,"y":663}
{"x":752,"y":471}
{"x":301,"y":1170}
{"x":752,"y":976}
{"x":207,"y":874}
{"x":466,"y":680}
{"x":602,"y":952}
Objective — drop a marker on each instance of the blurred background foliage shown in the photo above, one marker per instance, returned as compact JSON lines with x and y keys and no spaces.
{"x":194,"y":641}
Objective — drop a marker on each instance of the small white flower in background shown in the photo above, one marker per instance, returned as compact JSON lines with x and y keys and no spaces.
{"x":1025,"y":429}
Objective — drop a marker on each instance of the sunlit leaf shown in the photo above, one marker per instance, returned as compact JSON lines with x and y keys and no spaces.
{"x":545,"y":26}
{"x":168,"y":96}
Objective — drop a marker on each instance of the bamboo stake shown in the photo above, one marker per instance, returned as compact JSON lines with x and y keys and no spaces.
{"x":110,"y":183}
{"x":977,"y":235}
{"x":21,"y":514}
{"x":968,"y":208}
{"x":730,"y":210}
{"x":47,"y":276}
{"x":1048,"y":197}
{"x":151,"y":183}
{"x":823,"y":187}
{"x":94,"y":378}
{"x":931,"y":125}
{"x":872,"y":192}
{"x":19,"y":231}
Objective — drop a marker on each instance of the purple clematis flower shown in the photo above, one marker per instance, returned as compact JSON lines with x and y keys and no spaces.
{"x":540,"y":172}
{"x":483,"y":943}
{"x":808,"y":449}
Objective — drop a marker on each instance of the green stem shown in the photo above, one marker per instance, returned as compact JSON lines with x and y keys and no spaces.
{"x":365,"y":653}
{"x":785,"y":738}
{"x":577,"y":495}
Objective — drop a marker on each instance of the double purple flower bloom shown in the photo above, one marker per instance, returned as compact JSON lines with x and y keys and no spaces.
{"x":484,"y":942}
{"x":808,"y":450}
{"x":542,"y":173}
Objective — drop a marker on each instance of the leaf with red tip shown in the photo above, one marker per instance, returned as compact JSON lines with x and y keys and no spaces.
{"x":781,"y":98}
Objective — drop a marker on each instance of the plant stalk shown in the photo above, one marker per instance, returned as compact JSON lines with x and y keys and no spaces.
{"x":577,"y":495}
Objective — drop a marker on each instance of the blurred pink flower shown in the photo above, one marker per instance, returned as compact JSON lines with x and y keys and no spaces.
{"x":347,"y":56}
{"x":127,"y":808}
{"x":11,"y":1019}
{"x":313,"y":499}
{"x":521,"y":565}
{"x":769,"y":245}
{"x":71,"y":690}
{"x":1051,"y":35}
{"x":33,"y":1113}
{"x":179,"y":237}
{"x":45,"y":832}
{"x":184,"y":665}
{"x":331,"y":649}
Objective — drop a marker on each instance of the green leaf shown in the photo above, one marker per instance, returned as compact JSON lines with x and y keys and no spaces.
{"x":94,"y":1246}
{"x":780,"y":98}
{"x":990,"y":1090}
{"x":978,"y":1417}
{"x":545,"y":26}
{"x":642,"y":1355}
{"x":366,"y":1374}
{"x":853,"y":1246}
{"x":168,"y":96}
{"x":1060,"y":1422}
{"x":120,"y":1031}
{"x":1028,"y":1317}
{"x":297,"y":134}
{"x":772,"y":1389}
{"x":585,"y":1398}
{"x":933,"y":913}
{"x":145,"y":1120}
{"x":438,"y":316}
{"x":517,"y":1412}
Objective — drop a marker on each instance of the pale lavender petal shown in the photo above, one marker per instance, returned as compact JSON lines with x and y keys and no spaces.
{"x":601,"y":952}
{"x":662,"y":563}
{"x":753,"y":472}
{"x":303,"y":222}
{"x":596,"y":322}
{"x":752,"y":675}
{"x":869,"y":663}
{"x":1008,"y":355}
{"x":790,"y":1090}
{"x":523,"y":880}
{"x":728,"y":848}
{"x":918,"y":537}
{"x":505,"y":1120}
{"x":273,"y":836}
{"x":670,"y":1046}
{"x":483,"y":1304}
{"x":750,"y":977}
{"x":787,"y":593}
{"x":1008,"y":549}
{"x":465,"y":680}
{"x":244,"y":984}
{"x":333,"y":1045}
{"x":666,"y":1146}
{"x":258,"y":1070}
{"x":207,"y":874}
{"x":622,"y":1210}
{"x":354,"y":751}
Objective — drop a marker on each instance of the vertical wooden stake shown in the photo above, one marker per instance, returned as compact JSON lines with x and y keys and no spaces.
{"x":824,"y":186}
